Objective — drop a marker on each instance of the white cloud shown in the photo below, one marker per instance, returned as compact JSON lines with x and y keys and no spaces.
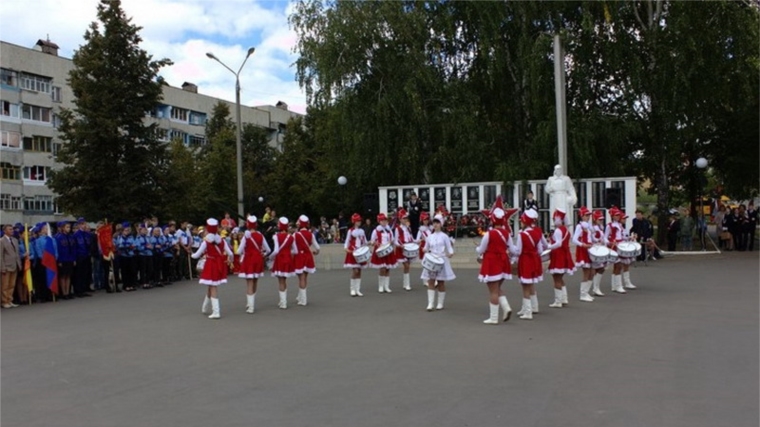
{"x":183,"y":31}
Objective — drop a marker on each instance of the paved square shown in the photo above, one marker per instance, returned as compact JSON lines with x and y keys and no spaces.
{"x":680,"y":351}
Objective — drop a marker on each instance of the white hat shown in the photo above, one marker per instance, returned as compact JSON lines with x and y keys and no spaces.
{"x":498,"y":213}
{"x":283,"y":223}
{"x":532,"y":214}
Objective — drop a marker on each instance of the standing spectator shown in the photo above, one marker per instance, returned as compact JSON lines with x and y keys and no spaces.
{"x":643,"y":230}
{"x":752,"y":226}
{"x":335,"y":231}
{"x":727,"y":227}
{"x":744,"y":229}
{"x":10,"y":265}
{"x":267,"y":215}
{"x":414,"y":207}
{"x":686,"y":231}
{"x":342,"y":227}
{"x":718,"y":217}
{"x":83,"y":266}
{"x":673,"y":231}
{"x":367,"y":227}
{"x":735,"y":228}
{"x":529,"y":203}
{"x":228,"y":223}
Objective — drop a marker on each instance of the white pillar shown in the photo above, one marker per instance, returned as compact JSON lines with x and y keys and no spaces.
{"x":559,"y":96}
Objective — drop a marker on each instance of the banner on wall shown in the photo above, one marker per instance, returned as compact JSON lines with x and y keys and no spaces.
{"x":392,"y":201}
{"x":456,"y":199}
{"x":425,"y":199}
{"x":473,"y":198}
{"x":439,"y":196}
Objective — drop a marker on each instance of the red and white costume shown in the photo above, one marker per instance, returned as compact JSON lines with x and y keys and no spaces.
{"x":530,"y":244}
{"x":613,"y":234}
{"x":494,"y":248}
{"x":560,"y":258}
{"x":582,"y":236}
{"x":355,"y":239}
{"x":402,"y":236}
{"x":422,"y":234}
{"x":306,"y":244}
{"x":252,"y":250}
{"x":217,"y":254}
{"x":284,"y":251}
{"x":382,"y":236}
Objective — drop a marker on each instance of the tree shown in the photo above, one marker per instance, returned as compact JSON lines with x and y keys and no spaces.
{"x":112,"y":160}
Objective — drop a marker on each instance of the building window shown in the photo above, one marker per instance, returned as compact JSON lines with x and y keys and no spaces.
{"x":197,"y":119}
{"x":179,"y":114}
{"x":177,"y":134}
{"x":56,"y":121}
{"x":8,"y":77}
{"x":36,"y":173}
{"x":10,"y":203}
{"x":197,"y":141}
{"x":56,"y":94}
{"x":57,"y":208}
{"x":56,"y":149}
{"x":38,"y":143}
{"x":9,"y":110}
{"x":162,"y":134}
{"x":9,"y":171}
{"x":35,"y":83}
{"x":33,"y":112}
{"x":39,"y":203}
{"x":10,"y":139}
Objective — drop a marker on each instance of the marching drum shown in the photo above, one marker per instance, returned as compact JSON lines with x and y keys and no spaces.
{"x":432,"y":263}
{"x":626,"y":250}
{"x":638,"y":248}
{"x":546,"y":255}
{"x":411,"y":250}
{"x":384,"y":250}
{"x":613,"y":257}
{"x":362,"y":255}
{"x":598,"y":254}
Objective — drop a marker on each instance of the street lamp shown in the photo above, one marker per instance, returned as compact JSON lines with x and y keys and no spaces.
{"x":701,"y":164}
{"x":342,"y":181}
{"x":239,"y":144}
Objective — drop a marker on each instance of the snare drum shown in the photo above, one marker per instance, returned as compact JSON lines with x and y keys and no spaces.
{"x":626,"y":250}
{"x":432,"y":263}
{"x":384,"y":250}
{"x":411,"y":250}
{"x":598,"y":254}
{"x":612,"y":258}
{"x":638,"y":248}
{"x":362,"y":255}
{"x":546,"y":255}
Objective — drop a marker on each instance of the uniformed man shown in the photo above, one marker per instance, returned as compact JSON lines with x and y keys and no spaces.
{"x":83,"y":267}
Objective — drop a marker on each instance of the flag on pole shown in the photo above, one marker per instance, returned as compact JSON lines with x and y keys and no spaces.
{"x":49,"y":262}
{"x":27,"y":261}
{"x":105,"y":240}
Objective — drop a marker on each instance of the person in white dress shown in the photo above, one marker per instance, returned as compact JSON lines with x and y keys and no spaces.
{"x":355,"y":239}
{"x":438,"y":243}
{"x":422,"y":234}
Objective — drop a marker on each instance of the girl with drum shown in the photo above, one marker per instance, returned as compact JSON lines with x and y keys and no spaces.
{"x":560,"y":258}
{"x":383,"y":257}
{"x":495,"y":267}
{"x":626,"y":260}
{"x":355,"y":243}
{"x":582,"y":239}
{"x":215,"y":268}
{"x":283,"y":267}
{"x":530,"y":244}
{"x":306,"y":248}
{"x":403,"y":236}
{"x":598,"y":239}
{"x":614,"y":235}
{"x":422,"y":234}
{"x":438,"y":250}
{"x":252,"y":250}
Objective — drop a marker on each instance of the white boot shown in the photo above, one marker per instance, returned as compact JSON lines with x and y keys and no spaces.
{"x":353,"y":287}
{"x":380,"y":285}
{"x":251,"y":303}
{"x":505,"y":308}
{"x":494,"y":318}
{"x":215,"y":307}
{"x":301,"y":297}
{"x":557,"y":299}
{"x":585,"y":286}
{"x":441,"y":298}
{"x":534,"y":303}
{"x":597,"y":282}
{"x":527,"y":313}
{"x":407,"y":285}
{"x":564,"y":296}
{"x":206,"y":307}
{"x":283,"y":299}
{"x":627,"y":280}
{"x":387,"y":283}
{"x":431,"y":300}
{"x":357,"y":287}
{"x":617,"y":284}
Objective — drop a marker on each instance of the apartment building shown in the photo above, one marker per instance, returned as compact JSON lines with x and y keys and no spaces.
{"x":33,"y":89}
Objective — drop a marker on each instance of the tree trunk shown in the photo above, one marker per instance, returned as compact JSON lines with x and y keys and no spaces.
{"x":663,"y":199}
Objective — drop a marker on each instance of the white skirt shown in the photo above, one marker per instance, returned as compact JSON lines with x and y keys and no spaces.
{"x":445,"y":275}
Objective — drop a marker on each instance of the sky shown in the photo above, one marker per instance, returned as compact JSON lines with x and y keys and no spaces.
{"x":183,"y":31}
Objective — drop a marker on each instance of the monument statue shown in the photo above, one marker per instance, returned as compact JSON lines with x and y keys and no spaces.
{"x":561,"y":193}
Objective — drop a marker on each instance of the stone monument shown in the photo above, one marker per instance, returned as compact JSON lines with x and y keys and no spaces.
{"x":561,"y":193}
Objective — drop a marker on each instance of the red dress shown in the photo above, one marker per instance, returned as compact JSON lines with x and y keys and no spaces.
{"x":422,"y":234}
{"x":283,"y":262}
{"x":304,"y":259}
{"x":582,"y":258}
{"x":252,"y":265}
{"x":215,"y":267}
{"x":354,"y":240}
{"x":495,"y":265}
{"x":403,"y":236}
{"x":529,"y":267}
{"x":560,"y":259}
{"x":380,"y":237}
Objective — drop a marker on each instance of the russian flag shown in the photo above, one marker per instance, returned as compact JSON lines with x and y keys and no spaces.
{"x":51,"y":265}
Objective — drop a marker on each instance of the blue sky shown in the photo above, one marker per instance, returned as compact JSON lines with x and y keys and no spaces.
{"x":183,"y":31}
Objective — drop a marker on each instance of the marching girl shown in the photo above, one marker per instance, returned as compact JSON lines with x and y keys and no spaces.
{"x":613,"y":234}
{"x":403,"y":235}
{"x":382,"y":236}
{"x":626,"y":261}
{"x":355,"y":239}
{"x":560,"y":258}
{"x":283,"y":267}
{"x":530,"y":244}
{"x":438,"y":243}
{"x":496,"y":267}
{"x":598,"y":238}
{"x":422,"y":234}
{"x":582,"y":239}
{"x":306,"y":247}
{"x":218,"y":256}
{"x":252,"y":250}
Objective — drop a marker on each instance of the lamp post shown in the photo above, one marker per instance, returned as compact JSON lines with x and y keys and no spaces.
{"x":238,"y":144}
{"x":701,"y":164}
{"x":342,"y":181}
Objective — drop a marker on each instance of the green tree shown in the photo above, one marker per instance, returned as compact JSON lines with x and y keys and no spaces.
{"x":113,"y":162}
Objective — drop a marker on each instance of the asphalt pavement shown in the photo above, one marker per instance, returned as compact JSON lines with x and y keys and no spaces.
{"x":682,"y":350}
